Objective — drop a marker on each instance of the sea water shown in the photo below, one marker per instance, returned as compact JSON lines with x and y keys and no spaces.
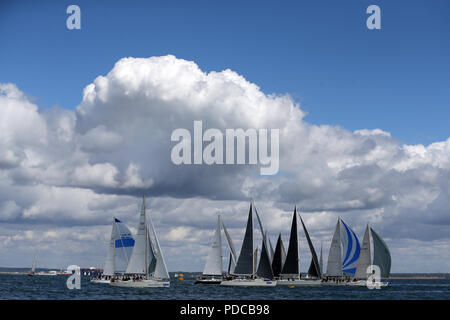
{"x":54,"y":287}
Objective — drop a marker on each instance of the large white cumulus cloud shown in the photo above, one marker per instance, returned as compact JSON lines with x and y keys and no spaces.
{"x":64,"y":168}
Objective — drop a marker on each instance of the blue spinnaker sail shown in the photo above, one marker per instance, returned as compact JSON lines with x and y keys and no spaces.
{"x":124,"y":243}
{"x":351,"y":249}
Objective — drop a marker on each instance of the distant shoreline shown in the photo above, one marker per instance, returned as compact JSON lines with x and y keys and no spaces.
{"x":418,"y":277}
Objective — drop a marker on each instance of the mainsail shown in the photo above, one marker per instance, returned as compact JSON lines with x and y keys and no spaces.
{"x":334,"y":264}
{"x":244,"y":265}
{"x":138,"y":262}
{"x":314,"y":268}
{"x":264,"y":267}
{"x":147,"y":256}
{"x":381,"y":255}
{"x":290,"y":267}
{"x":110,"y":264}
{"x":213,"y":266}
{"x":279,"y":257}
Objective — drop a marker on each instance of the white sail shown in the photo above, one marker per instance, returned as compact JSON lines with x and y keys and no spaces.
{"x":213,"y":266}
{"x":110,"y":264}
{"x":255,"y":260}
{"x":233,"y":255}
{"x":334,"y":264}
{"x":160,"y":268}
{"x":33,"y":267}
{"x":365,"y":257}
{"x":138,"y":260}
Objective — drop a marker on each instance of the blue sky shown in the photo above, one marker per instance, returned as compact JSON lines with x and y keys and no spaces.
{"x":320,"y":52}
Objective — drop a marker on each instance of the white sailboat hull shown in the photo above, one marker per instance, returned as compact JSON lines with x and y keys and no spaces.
{"x":298,"y":282}
{"x":363,"y":283}
{"x":208,"y":280}
{"x":43,"y":273}
{"x":249,"y":283}
{"x":359,"y":283}
{"x":145,"y":283}
{"x":102,"y":281}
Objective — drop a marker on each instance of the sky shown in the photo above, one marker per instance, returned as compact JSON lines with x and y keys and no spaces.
{"x":86,"y":117}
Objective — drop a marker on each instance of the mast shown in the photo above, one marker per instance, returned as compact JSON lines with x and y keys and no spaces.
{"x":245,"y":263}
{"x":290,"y":267}
{"x":314,"y":268}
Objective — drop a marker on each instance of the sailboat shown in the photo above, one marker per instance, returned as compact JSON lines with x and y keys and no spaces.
{"x":33,"y":272}
{"x":33,"y":267}
{"x":245,"y":269}
{"x":374,"y":251}
{"x":344,"y":253}
{"x":146,"y":268}
{"x":290,"y":274}
{"x":212,"y":273}
{"x":121,"y":242}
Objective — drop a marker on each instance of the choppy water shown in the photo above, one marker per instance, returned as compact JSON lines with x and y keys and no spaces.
{"x":54,"y":287}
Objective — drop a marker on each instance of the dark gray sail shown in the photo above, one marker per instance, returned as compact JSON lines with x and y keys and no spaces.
{"x":314,"y":267}
{"x":264,"y":233}
{"x":264,"y":267}
{"x":151,"y":257}
{"x":381,"y":255}
{"x":290,"y":267}
{"x":229,"y":264}
{"x":278,"y":258}
{"x":244,"y":265}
